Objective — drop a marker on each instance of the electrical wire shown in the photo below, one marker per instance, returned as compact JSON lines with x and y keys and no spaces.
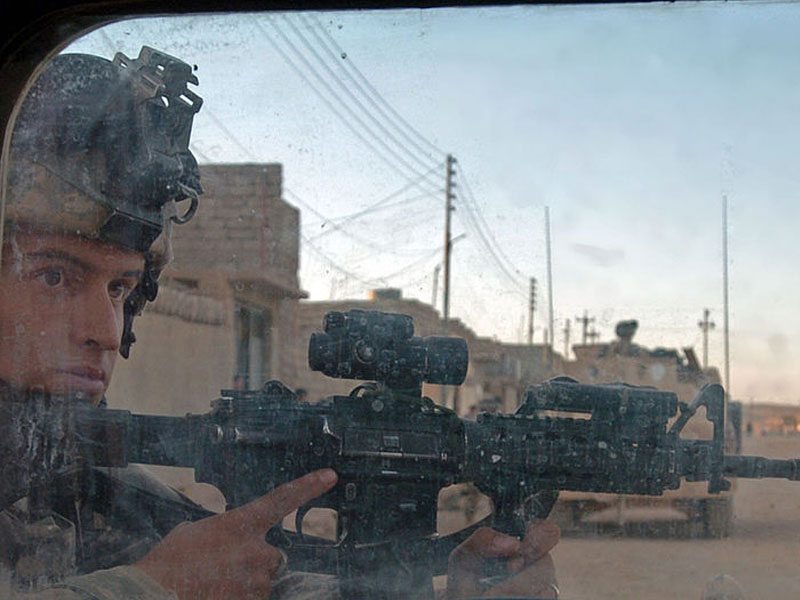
{"x":392,"y":164}
{"x":369,"y":92}
{"x":412,"y":154}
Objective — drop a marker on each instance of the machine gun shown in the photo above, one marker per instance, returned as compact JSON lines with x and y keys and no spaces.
{"x":394,"y":450}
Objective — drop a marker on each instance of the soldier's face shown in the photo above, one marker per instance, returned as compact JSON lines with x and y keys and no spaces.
{"x":61,"y":312}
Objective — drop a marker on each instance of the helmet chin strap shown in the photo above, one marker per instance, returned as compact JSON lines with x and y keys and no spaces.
{"x":146,"y":291}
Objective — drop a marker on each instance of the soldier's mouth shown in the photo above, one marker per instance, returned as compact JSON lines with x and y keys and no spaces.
{"x":83,"y":379}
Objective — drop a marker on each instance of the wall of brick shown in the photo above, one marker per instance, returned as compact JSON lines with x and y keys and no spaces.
{"x":242,"y":227}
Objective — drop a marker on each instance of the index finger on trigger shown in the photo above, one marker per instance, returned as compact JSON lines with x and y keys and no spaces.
{"x":262,"y":513}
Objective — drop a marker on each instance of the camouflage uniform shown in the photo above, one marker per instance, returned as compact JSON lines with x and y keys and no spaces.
{"x":77,"y":556}
{"x":75,"y":548}
{"x":72,"y":534}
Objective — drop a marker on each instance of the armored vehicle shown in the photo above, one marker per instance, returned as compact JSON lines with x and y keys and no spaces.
{"x":688,"y":511}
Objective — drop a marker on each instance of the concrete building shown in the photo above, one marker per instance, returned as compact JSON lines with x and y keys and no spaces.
{"x":229,"y":313}
{"x":771,"y":419}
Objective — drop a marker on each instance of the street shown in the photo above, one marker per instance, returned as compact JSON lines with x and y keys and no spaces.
{"x":762,"y":554}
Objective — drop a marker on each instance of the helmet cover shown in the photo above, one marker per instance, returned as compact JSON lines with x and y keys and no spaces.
{"x":100,"y":148}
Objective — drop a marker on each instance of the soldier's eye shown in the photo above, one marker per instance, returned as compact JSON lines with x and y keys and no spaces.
{"x":52,"y":277}
{"x":119,"y":290}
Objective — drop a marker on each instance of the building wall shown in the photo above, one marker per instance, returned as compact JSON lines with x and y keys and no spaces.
{"x":242,"y":249}
{"x":771,"y":419}
{"x":243,"y":228}
{"x":175,"y":367}
{"x":520,"y":366}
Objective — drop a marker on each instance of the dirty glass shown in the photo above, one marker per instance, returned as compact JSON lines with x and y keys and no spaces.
{"x":482,"y":261}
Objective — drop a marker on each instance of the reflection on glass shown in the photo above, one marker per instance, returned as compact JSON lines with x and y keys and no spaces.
{"x":603,"y":193}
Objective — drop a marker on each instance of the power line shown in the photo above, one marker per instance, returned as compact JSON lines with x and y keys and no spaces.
{"x":475,"y":207}
{"x":398,"y":204}
{"x":475,"y":228}
{"x":380,"y":204}
{"x":338,"y":267}
{"x":471,"y":221}
{"x":373,"y":96}
{"x":413,"y":155}
{"x":384,"y":279}
{"x":369,"y":243}
{"x":294,"y":196}
{"x":413,"y":265}
{"x":380,"y":154}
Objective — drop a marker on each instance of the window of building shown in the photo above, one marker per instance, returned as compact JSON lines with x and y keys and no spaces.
{"x":253,"y":346}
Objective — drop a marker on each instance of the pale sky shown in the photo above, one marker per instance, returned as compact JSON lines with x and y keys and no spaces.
{"x":628,"y":122}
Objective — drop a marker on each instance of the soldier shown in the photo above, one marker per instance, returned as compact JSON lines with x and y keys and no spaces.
{"x":99,"y":170}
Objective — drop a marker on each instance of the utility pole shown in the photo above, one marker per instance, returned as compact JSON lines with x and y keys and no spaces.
{"x":585,"y":321}
{"x":725,"y":294}
{"x":549,"y":283}
{"x":593,"y":335}
{"x":566,"y":340}
{"x":705,"y":325}
{"x":531,"y":310}
{"x":448,"y":242}
{"x":436,"y":270}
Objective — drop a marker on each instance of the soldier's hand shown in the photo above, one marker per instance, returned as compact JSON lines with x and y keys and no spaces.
{"x":529,"y":565}
{"x":226,"y":556}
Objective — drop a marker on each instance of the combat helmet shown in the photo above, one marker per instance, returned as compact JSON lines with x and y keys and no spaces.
{"x":100,"y":149}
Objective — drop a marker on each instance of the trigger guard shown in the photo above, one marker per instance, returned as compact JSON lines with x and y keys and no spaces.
{"x":512,"y":517}
{"x":325,"y":501}
{"x":298,"y":519}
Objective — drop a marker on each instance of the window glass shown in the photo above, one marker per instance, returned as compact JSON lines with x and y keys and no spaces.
{"x":252,"y":353}
{"x":599,"y":193}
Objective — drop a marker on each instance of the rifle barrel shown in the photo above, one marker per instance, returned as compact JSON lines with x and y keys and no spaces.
{"x":758,"y":467}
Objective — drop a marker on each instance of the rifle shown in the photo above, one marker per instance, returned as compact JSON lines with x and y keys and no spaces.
{"x":394,"y":450}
